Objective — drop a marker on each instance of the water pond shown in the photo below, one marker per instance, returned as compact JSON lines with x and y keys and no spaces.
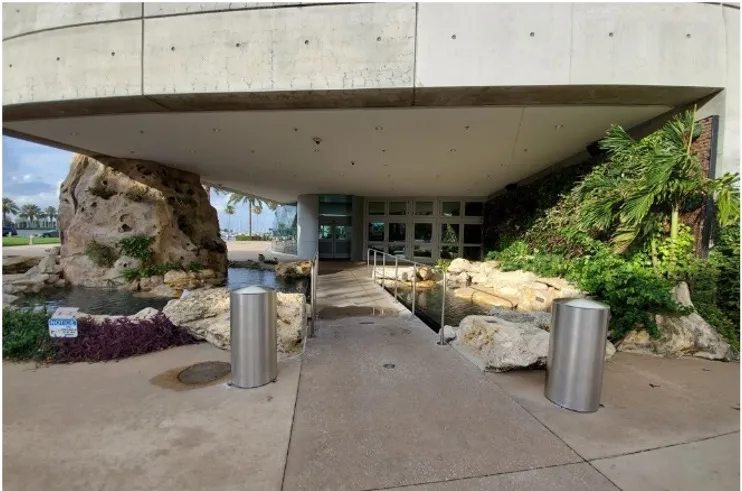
{"x":110,"y":301}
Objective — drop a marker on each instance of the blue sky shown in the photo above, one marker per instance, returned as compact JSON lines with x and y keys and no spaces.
{"x":32,"y":173}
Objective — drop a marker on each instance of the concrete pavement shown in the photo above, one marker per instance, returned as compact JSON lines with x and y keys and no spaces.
{"x":374,"y":403}
{"x":104,"y":426}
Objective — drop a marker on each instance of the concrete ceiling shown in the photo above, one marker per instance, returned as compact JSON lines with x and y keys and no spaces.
{"x":471,"y":151}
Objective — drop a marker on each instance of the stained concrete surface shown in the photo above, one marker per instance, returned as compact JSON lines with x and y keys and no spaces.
{"x":104,"y":426}
{"x":648,"y":403}
{"x":570,"y":477}
{"x":711,"y":464}
{"x":361,"y":424}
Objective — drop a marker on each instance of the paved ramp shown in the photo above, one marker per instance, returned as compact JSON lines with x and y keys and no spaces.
{"x":380,"y":405}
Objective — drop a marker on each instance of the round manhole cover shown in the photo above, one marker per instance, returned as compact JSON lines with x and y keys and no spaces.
{"x":204,"y":373}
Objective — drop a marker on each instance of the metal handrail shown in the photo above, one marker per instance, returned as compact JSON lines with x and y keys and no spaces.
{"x":313,"y":293}
{"x":415,"y":265}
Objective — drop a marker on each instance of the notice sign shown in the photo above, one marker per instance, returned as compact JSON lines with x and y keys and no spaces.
{"x":63,"y":323}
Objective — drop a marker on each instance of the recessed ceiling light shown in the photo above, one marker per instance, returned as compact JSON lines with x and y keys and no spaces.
{"x":559,"y":126}
{"x":466,"y":127}
{"x":316,"y":150}
{"x":74,"y":133}
{"x":379,"y":128}
{"x":215,"y":130}
{"x":131,"y":151}
{"x":452,"y":150}
{"x":193,"y":151}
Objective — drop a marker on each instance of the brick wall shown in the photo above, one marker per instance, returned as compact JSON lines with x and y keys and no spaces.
{"x":702,"y":148}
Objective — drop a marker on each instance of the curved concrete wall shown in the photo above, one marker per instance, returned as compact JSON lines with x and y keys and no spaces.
{"x":168,"y":52}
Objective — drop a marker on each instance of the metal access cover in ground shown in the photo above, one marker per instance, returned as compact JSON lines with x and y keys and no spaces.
{"x":204,"y":373}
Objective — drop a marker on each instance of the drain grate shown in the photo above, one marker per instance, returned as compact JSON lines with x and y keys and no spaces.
{"x":204,"y":373}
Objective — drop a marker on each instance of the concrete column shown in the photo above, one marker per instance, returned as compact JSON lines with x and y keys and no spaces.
{"x":307,"y":225}
{"x":357,"y":249}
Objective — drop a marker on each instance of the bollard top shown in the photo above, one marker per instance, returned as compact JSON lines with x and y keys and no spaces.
{"x":253,"y":290}
{"x":582,"y":303}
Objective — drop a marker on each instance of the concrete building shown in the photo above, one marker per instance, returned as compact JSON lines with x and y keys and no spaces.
{"x":389,"y":124}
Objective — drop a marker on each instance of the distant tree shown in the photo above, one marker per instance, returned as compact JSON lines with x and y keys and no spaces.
{"x":30,"y":212}
{"x":9,"y":208}
{"x":254,"y":205}
{"x":51,"y":213}
{"x":229,"y":210}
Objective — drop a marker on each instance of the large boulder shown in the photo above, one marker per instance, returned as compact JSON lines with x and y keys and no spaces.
{"x":294,"y":270}
{"x":680,"y":335}
{"x":19,"y":264}
{"x":494,"y":344}
{"x":107,"y":200}
{"x":46,"y":273}
{"x":506,"y":341}
{"x":205,"y":314}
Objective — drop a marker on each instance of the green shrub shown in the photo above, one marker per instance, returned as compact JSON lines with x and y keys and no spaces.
{"x":246,"y":237}
{"x":26,"y":334}
{"x":102,"y":255}
{"x":137,"y":247}
{"x":136,"y":193}
{"x":194,"y":267}
{"x":443,"y":264}
{"x":634,"y":292}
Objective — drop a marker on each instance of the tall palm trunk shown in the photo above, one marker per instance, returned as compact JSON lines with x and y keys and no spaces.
{"x":249,"y":219}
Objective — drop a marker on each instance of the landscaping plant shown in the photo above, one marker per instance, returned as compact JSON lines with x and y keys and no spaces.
{"x":616,"y":230}
{"x":26,"y":338}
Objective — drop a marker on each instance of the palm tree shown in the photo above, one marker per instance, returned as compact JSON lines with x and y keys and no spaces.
{"x":30,"y":212}
{"x":229,"y":210}
{"x":51,"y":214}
{"x":254,"y":204}
{"x":9,"y":208}
{"x":209,"y":189}
{"x":650,"y":180}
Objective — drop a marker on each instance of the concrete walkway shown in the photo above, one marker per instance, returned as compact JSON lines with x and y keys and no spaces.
{"x":104,"y":426}
{"x":382,"y":406}
{"x":374,"y":403}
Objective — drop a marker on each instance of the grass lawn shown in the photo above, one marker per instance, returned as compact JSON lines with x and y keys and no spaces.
{"x":22,"y":241}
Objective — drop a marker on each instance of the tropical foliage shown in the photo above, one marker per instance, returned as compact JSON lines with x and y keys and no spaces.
{"x":29,"y":215}
{"x":254,"y":205}
{"x":616,"y":229}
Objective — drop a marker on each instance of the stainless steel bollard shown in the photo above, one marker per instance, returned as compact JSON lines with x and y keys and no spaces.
{"x":574,"y":367}
{"x":252,"y":314}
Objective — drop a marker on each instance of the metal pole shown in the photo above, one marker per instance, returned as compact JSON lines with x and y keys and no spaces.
{"x":396,"y":275}
{"x":383,"y":274}
{"x":443,"y":312}
{"x":374,"y":273}
{"x":368,"y":258}
{"x":414,"y":286}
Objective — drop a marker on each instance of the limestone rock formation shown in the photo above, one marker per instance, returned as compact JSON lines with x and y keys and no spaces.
{"x":19,"y":264}
{"x":511,"y":341}
{"x":294,"y":270}
{"x":205,"y":313}
{"x":47,"y":273}
{"x":680,"y":335}
{"x":521,"y":290}
{"x":107,"y":200}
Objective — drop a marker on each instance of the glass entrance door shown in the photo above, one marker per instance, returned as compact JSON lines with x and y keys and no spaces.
{"x":334,"y":241}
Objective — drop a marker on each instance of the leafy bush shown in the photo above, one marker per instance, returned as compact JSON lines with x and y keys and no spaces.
{"x":136,"y":193}
{"x":26,"y":334}
{"x":102,"y":255}
{"x":443,"y":264}
{"x":194,"y":267}
{"x":26,"y":337}
{"x":634,"y":292}
{"x":137,"y":247}
{"x":256,"y":237}
{"x":120,"y":338}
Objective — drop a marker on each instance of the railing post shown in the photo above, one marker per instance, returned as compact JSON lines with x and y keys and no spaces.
{"x":414,"y":286}
{"x":383,"y":270}
{"x":368,"y":259}
{"x":443,"y":311}
{"x":396,"y":275}
{"x":374,"y":272}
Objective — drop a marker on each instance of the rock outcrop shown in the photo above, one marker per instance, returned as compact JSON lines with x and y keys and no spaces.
{"x":293,"y":270}
{"x":205,"y":314}
{"x":19,"y":264}
{"x":500,"y":344}
{"x":47,"y":273}
{"x":107,"y":200}
{"x":520,"y":290}
{"x":680,"y":335}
